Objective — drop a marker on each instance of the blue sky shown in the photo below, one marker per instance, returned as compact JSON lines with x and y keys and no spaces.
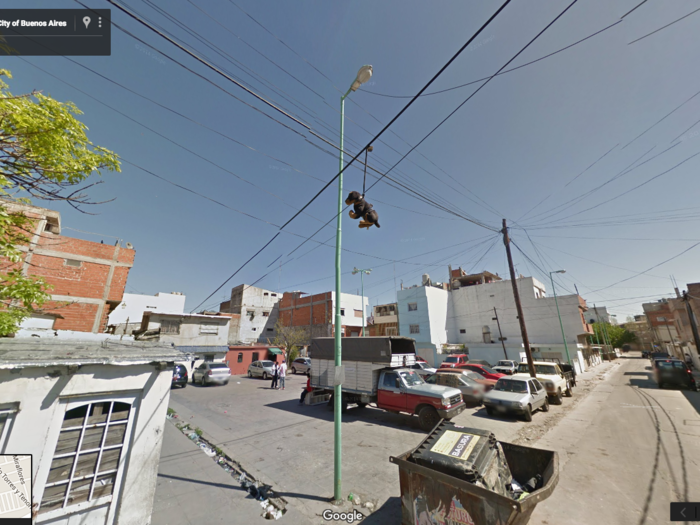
{"x":519,"y":149}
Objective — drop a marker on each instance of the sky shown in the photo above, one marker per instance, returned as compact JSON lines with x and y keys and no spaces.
{"x":577,"y":151}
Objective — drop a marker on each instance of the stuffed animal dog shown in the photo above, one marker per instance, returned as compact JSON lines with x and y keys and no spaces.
{"x":362,"y":210}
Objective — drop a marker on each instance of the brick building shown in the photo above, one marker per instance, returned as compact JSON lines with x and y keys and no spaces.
{"x":88,"y":278}
{"x":384,"y":320}
{"x":316,"y":313}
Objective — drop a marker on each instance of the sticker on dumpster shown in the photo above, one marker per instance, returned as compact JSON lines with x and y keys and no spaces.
{"x":457,"y":515}
{"x":455,"y":444}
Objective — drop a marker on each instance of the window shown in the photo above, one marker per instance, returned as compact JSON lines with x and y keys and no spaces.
{"x":266,"y":314}
{"x":270,"y":329}
{"x":266,"y":293}
{"x":7,"y":415}
{"x":240,"y":357}
{"x":85,"y":464}
{"x":250,"y":314}
{"x":660,"y":318}
{"x":208,"y":358}
{"x":390,"y":380}
{"x":414,"y":329}
{"x":342,"y":311}
{"x":73,"y":263}
{"x":254,"y":329}
{"x":537,"y":384}
{"x":391,"y":330}
{"x":358,"y":313}
{"x":462,"y":331}
{"x":256,"y":356}
{"x":170,"y":327}
{"x":412,"y":307}
{"x":151,"y":307}
{"x":273,"y":295}
{"x":208,"y":329}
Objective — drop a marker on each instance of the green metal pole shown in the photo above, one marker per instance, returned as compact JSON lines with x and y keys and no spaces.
{"x":337,"y":389}
{"x":561,"y":324}
{"x":362,"y":280}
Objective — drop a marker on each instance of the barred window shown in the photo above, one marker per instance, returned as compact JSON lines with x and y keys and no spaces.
{"x":85,"y":464}
{"x":209,"y":328}
{"x":170,"y":327}
{"x":414,"y":328}
{"x":412,"y":307}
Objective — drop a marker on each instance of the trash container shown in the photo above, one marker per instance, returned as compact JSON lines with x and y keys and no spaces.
{"x":431,"y":497}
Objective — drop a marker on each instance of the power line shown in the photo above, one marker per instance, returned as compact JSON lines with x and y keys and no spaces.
{"x":633,"y":9}
{"x":502,"y":72}
{"x":664,"y":27}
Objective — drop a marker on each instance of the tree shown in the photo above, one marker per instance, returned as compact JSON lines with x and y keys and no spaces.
{"x":291,"y":338}
{"x":617,"y":335}
{"x":44,"y":153}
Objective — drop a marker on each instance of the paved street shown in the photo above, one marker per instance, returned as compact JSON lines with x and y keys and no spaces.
{"x":290,"y":446}
{"x":625,"y":452}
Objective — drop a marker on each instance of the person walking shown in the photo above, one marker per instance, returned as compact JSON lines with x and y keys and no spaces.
{"x":275,"y":374}
{"x":283,"y":373}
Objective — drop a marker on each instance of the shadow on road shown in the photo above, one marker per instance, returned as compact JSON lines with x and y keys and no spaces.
{"x":693,"y":398}
{"x":200,"y":482}
{"x":387,"y":514}
{"x":507,"y":418}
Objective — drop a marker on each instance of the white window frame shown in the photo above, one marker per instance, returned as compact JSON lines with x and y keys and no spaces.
{"x":9,"y":412}
{"x":49,"y":451}
{"x":208,"y":329}
{"x":414,"y":328}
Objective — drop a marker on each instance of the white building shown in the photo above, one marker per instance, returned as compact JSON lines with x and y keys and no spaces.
{"x":423,"y":316}
{"x":92,"y":415}
{"x":258,"y":309}
{"x":130,"y":311}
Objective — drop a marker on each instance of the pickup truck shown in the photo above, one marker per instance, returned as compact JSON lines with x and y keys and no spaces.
{"x":506,"y":366}
{"x":377,"y":370}
{"x":556,"y":382}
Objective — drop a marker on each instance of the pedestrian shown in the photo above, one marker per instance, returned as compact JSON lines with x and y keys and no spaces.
{"x":283,"y":373}
{"x":275,"y":374}
{"x":306,"y":390}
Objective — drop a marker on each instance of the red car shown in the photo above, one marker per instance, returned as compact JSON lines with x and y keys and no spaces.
{"x":454,"y":360}
{"x":484,"y":371}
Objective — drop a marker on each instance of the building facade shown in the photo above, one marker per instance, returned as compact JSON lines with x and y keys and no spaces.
{"x":69,"y":403}
{"x":128,"y":314}
{"x":258,"y":311}
{"x":316,"y":313}
{"x":88,"y":278}
{"x":239,"y":357}
{"x":384,"y":320}
{"x":663,"y":324}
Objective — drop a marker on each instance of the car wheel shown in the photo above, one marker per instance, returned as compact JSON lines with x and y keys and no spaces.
{"x":661,"y":385}
{"x":361,"y":405}
{"x":204,"y":381}
{"x":489,"y":411}
{"x":568,"y":392}
{"x":527,"y":416}
{"x":250,"y":374}
{"x":193,"y":381}
{"x":294,"y":371}
{"x":184,"y":384}
{"x":545,"y":407}
{"x":428,"y":418}
{"x":558,"y":398}
{"x":265,"y":376}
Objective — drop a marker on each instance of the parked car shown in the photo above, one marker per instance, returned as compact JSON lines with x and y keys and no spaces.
{"x":180,"y":376}
{"x":472,"y":390}
{"x":518,"y":395}
{"x":419,"y":359}
{"x":260,"y":369}
{"x":673,"y":372}
{"x":506,"y":366}
{"x":454,"y":360}
{"x":480,"y":362}
{"x":556,"y":382}
{"x":422,"y":369}
{"x":301,"y":365}
{"x":487,"y":383}
{"x":658,"y":355}
{"x":483,"y":370}
{"x":210,"y":373}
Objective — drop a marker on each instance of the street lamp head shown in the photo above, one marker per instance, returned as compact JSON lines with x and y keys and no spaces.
{"x":363,"y":75}
{"x":355,"y":271}
{"x":559,"y":271}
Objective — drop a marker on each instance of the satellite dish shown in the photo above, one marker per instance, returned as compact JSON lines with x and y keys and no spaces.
{"x":129,"y":246}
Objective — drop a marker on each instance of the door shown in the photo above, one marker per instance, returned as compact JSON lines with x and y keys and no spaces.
{"x":389,"y":394}
{"x":538,"y":393}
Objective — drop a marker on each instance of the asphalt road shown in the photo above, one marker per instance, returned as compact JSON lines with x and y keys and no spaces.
{"x":290,"y":446}
{"x":626,"y":452}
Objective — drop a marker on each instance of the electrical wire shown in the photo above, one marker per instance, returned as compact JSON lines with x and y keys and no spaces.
{"x":664,"y":27}
{"x":633,"y":9}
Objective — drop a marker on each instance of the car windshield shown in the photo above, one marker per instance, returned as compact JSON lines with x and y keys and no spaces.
{"x":488,"y":370}
{"x":218,"y":365}
{"x":265,"y":363}
{"x":472,"y":375}
{"x":671,"y":364}
{"x":547,"y":370}
{"x":511,"y":385}
{"x":411,"y":378}
{"x":466,"y":381}
{"x":432,"y":379}
{"x":452,"y":360}
{"x":505,"y":363}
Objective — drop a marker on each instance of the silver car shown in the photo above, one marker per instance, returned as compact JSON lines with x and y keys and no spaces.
{"x":516,"y":395}
{"x":422,"y":369}
{"x":301,"y":365}
{"x":260,"y":369}
{"x":506,"y":366}
{"x":210,"y":373}
{"x":472,"y":391}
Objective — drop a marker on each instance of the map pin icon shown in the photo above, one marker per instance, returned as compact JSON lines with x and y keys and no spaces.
{"x":86,"y":21}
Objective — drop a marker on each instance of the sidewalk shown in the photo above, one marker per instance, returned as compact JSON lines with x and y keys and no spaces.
{"x":193,"y":489}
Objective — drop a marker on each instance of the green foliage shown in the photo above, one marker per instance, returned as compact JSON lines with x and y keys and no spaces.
{"x":44,"y":153}
{"x":617,"y":335}
{"x":292,"y":355}
{"x":218,"y":451}
{"x":198,"y":431}
{"x":291,"y":338}
{"x":171,"y":412}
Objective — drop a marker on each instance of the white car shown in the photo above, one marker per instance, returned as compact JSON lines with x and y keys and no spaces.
{"x":260,"y":369}
{"x":301,"y":365}
{"x":423,"y":369}
{"x":506,"y":366}
{"x":551,"y":376}
{"x":209,"y":373}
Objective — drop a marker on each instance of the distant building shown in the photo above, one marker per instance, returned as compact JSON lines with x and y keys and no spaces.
{"x":128,"y":314}
{"x":88,"y":278}
{"x":316,"y":313}
{"x":599,"y":314}
{"x":92,"y":415}
{"x":384,"y":320}
{"x":239,"y":357}
{"x":642,"y":331}
{"x":257,"y":311}
{"x":663,"y":324}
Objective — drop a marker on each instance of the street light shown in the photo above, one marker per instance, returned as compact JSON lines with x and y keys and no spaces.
{"x":362,"y":273}
{"x":561,"y":324}
{"x":363,"y":75}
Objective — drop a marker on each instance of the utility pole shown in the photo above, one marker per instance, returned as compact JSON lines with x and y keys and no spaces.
{"x":693,"y":325}
{"x":516,"y":297}
{"x":505,"y":354}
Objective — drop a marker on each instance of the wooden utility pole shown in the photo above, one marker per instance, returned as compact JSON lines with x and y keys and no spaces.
{"x":505,"y":354}
{"x":693,"y":325}
{"x":518,"y":306}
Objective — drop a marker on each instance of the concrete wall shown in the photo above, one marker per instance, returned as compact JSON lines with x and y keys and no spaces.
{"x":190,"y":330}
{"x":259,"y":312}
{"x":430,"y":314}
{"x":316,"y":313}
{"x":133,"y":306}
{"x":38,"y":421}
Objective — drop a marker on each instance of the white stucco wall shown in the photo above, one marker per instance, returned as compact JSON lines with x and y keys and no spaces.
{"x":264,"y":305}
{"x":190,"y":330}
{"x":430,"y":314}
{"x":350,"y":303}
{"x":38,"y":421}
{"x":133,"y":306}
